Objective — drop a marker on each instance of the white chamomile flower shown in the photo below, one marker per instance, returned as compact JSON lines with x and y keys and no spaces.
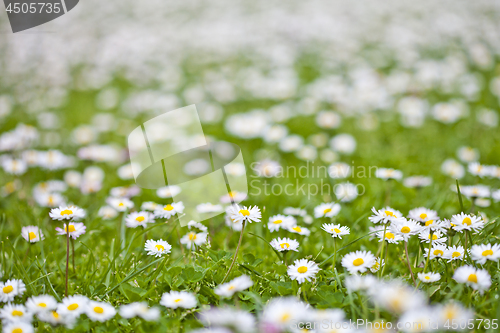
{"x":385,"y":215}
{"x":15,"y":312}
{"x":100,"y":311}
{"x":283,"y":312}
{"x":32,"y":234}
{"x":294,"y":211}
{"x":280,"y":221}
{"x":483,"y":252}
{"x":422,"y":214}
{"x":238,"y":284}
{"x":157,"y":248}
{"x":139,"y":309}
{"x":299,"y":230}
{"x":379,"y":263}
{"x":477,"y":169}
{"x":135,"y":219}
{"x":397,"y":297}
{"x":336,"y":230}
{"x":193,"y":224}
{"x":356,"y":282}
{"x":326,"y":210}
{"x":178,"y":299}
{"x":73,"y":306}
{"x":303,"y":270}
{"x":475,"y":191}
{"x":18,"y":327}
{"x":209,"y":208}
{"x":453,"y":312}
{"x":76,"y":229}
{"x":454,"y":253}
{"x":107,"y":212}
{"x":54,"y":318}
{"x":389,"y":236}
{"x":120,"y":204}
{"x":284,"y":244}
{"x":429,"y":277}
{"x":168,"y":191}
{"x":11,"y":289}
{"x":14,"y":166}
{"x":192,"y":238}
{"x":478,"y":279}
{"x":496,"y":195}
{"x":437,"y":251}
{"x":234,"y":320}
{"x":232,"y":197}
{"x":463,"y":221}
{"x":67,"y":213}
{"x":386,"y":174}
{"x":169,"y":210}
{"x":436,"y":225}
{"x":417,"y":181}
{"x":358,"y":262}
{"x":149,"y":206}
{"x":244,"y":213}
{"x":41,"y":303}
{"x":405,"y":228}
{"x":437,"y":236}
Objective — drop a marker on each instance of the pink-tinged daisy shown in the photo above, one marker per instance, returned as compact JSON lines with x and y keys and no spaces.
{"x":32,"y":234}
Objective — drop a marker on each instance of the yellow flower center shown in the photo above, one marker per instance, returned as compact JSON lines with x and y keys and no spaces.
{"x":168,"y":207}
{"x":428,"y":223}
{"x":456,"y":254}
{"x":121,"y":204}
{"x":7,"y":289}
{"x":405,"y":230}
{"x":32,"y":235}
{"x":438,"y":252}
{"x":160,"y":248}
{"x":389,"y":213}
{"x":177,"y":300}
{"x":337,"y":230}
{"x":140,"y":218}
{"x":17,"y":330}
{"x":467,"y":221}
{"x":434,"y":237}
{"x":71,"y":228}
{"x":358,"y":262}
{"x":284,"y":244}
{"x":427,"y":278}
{"x":285,"y":317}
{"x":277,"y":221}
{"x":328,"y":210}
{"x":66,"y":212}
{"x":230,"y":287}
{"x":423,"y":216}
{"x":192,"y":236}
{"x":98,"y":309}
{"x":389,"y":235}
{"x":232,"y":194}
{"x":42,"y":305}
{"x":55,"y":314}
{"x":244,"y":212}
{"x":17,"y":313}
{"x":298,"y":229}
{"x":72,"y":307}
{"x":302,"y":269}
{"x":472,"y":278}
{"x":487,"y":253}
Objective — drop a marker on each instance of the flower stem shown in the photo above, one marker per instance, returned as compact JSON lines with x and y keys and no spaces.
{"x":73,"y":254}
{"x":408,"y":262}
{"x":429,"y":253}
{"x":385,"y":260}
{"x":285,"y":260}
{"x":236,"y":253}
{"x":67,"y":257}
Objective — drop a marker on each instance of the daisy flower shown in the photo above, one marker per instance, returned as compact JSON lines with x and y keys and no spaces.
{"x":385,"y":215}
{"x":284,"y":244}
{"x":386,"y":174}
{"x":436,"y":225}
{"x":336,"y":230}
{"x":169,"y":210}
{"x":429,"y":277}
{"x":379,"y":263}
{"x":496,"y":195}
{"x":283,"y":312}
{"x":238,"y":284}
{"x":107,"y":213}
{"x":15,"y":312}
{"x":475,"y":191}
{"x":360,"y":282}
{"x":422,"y":214}
{"x":327,"y":210}
{"x":66,"y":213}
{"x":178,"y":299}
{"x":157,"y":248}
{"x":139,"y":309}
{"x":193,"y":224}
{"x":280,"y":221}
{"x":417,"y":181}
{"x":234,"y":319}
{"x":405,"y":228}
{"x":41,"y":303}
{"x":358,"y":261}
{"x":100,"y":311}
{"x":454,"y":253}
{"x":208,"y":208}
{"x":32,"y":234}
{"x":299,"y":230}
{"x":76,"y":229}
{"x":390,"y":237}
{"x":302,"y":270}
{"x":437,"y":236}
{"x":11,"y":289}
{"x":245,"y":213}
{"x":54,"y":318}
{"x":193,"y":238}
{"x":437,"y":251}
{"x":120,"y":204}
{"x":168,"y":191}
{"x":294,"y":211}
{"x":149,"y":205}
{"x":397,"y":297}
{"x":233,"y":196}
{"x":235,"y":225}
{"x":135,"y":219}
{"x":483,"y":252}
{"x":478,"y":279}
{"x":463,"y":221}
{"x":18,"y":327}
{"x":73,"y":306}
{"x":453,"y":311}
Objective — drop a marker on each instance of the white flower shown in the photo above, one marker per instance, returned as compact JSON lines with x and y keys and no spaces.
{"x":245,"y":213}
{"x":483,"y":252}
{"x":358,"y":262}
{"x":169,"y":210}
{"x":437,"y":251}
{"x":302,"y":270}
{"x":467,"y":154}
{"x":343,"y":144}
{"x":463,"y":221}
{"x":285,"y":244}
{"x":418,"y":320}
{"x":139,"y":309}
{"x":178,"y":299}
{"x":477,"y":169}
{"x":240,"y":320}
{"x":32,"y":234}
{"x":157,"y":248}
{"x":193,"y":224}
{"x":193,"y":238}
{"x":385,"y":215}
{"x":429,"y":277}
{"x":496,"y":195}
{"x":417,"y":181}
{"x":149,"y":205}
{"x":120,"y":204}
{"x":54,"y":318}
{"x":454,"y":253}
{"x":229,"y":288}
{"x":15,"y":312}
{"x":233,"y":196}
{"x":18,"y":327}
{"x":299,"y":230}
{"x":100,"y":311}
{"x":11,"y":289}
{"x":41,"y":303}
{"x":423,"y":214}
{"x":76,"y":229}
{"x":360,"y":282}
{"x":268,"y":168}
{"x":73,"y":306}
{"x":404,"y":228}
{"x":51,"y":200}
{"x":135,"y":219}
{"x":294,"y":211}
{"x":14,"y":166}
{"x":326,"y":210}
{"x":336,"y":230}
{"x":479,"y":279}
{"x":67,"y":213}
{"x":168,"y":191}
{"x":390,"y":237}
{"x":387,"y":174}
{"x":209,"y":208}
{"x":107,"y":212}
{"x":475,"y":191}
{"x":339,"y":170}
{"x":436,"y":225}
{"x":396,"y":297}
{"x":452,"y":168}
{"x":437,"y":236}
{"x":346,"y":192}
{"x":282,"y":312}
{"x":328,"y":119}
{"x":280,"y":221}
{"x":453,"y":312}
